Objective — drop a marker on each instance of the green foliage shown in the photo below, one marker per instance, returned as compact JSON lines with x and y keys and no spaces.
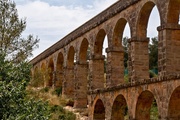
{"x":125,"y":45}
{"x":152,"y":74}
{"x":40,"y":77}
{"x":58,"y":91}
{"x":126,"y":78}
{"x":46,"y":89}
{"x":13,"y":102}
{"x":60,"y":114}
{"x":153,"y":53}
{"x":154,"y":111}
{"x":37,"y":80}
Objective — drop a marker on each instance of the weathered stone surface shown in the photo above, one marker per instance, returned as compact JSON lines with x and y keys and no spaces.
{"x":78,"y":63}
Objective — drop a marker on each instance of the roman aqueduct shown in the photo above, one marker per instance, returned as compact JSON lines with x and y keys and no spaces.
{"x":82,"y":78}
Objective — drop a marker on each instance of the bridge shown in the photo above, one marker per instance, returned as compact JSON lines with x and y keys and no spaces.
{"x":76,"y":63}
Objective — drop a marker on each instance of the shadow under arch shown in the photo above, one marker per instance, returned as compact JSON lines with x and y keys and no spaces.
{"x":144,"y":105}
{"x":173,"y":11}
{"x":143,"y":19}
{"x":119,"y":109}
{"x":59,"y":70}
{"x":51,"y":72}
{"x":99,"y":110}
{"x":118,"y":32}
{"x":98,"y":47}
{"x":83,"y":53}
{"x":71,"y":57}
{"x":44,"y":73}
{"x":174,"y":105}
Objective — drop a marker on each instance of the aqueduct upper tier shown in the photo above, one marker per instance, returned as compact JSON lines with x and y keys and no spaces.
{"x":94,"y":81}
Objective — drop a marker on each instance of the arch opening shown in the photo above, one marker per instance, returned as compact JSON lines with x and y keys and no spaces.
{"x":69,"y":75}
{"x":101,"y":44}
{"x":153,"y":43}
{"x":121,"y":30}
{"x":174,"y":106}
{"x":146,"y":107}
{"x":51,"y":72}
{"x":44,"y":74}
{"x":71,"y":57}
{"x":121,"y":36}
{"x":105,"y":46}
{"x":59,"y":72}
{"x":84,"y":54}
{"x":147,"y":26}
{"x":81,"y":74}
{"x":37,"y":79}
{"x":119,"y":109}
{"x":99,"y":110}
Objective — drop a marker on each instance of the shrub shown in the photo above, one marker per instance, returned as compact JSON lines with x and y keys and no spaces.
{"x":58,"y":91}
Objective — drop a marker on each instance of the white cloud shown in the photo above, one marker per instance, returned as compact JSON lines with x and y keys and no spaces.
{"x":52,"y":22}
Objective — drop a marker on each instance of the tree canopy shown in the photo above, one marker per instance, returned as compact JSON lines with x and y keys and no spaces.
{"x":15,"y":69}
{"x":153,"y":53}
{"x":15,"y":47}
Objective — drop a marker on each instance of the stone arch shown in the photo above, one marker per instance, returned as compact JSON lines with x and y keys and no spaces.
{"x":143,"y":19}
{"x":70,"y":58}
{"x":119,"y":108}
{"x":81,"y":73}
{"x":44,"y":72}
{"x":59,"y":70}
{"x":143,"y":105}
{"x":118,"y":32}
{"x":51,"y":72}
{"x":43,"y":66}
{"x":69,"y":75}
{"x":34,"y":71}
{"x":99,"y":110}
{"x":173,"y":11}
{"x":174,"y":106}
{"x":83,"y":50}
{"x":99,"y":42}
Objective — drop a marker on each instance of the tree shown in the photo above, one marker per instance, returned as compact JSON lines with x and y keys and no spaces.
{"x":125,"y":46}
{"x":15,"y":47}
{"x":153,"y":54}
{"x":14,"y":104}
{"x":15,"y":69}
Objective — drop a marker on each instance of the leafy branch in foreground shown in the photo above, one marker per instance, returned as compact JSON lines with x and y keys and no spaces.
{"x":13,"y":101}
{"x":15,"y":47}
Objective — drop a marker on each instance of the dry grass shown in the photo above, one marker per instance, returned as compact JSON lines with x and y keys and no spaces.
{"x":56,"y":102}
{"x":46,"y":94}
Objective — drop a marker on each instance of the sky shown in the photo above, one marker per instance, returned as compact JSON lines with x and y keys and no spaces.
{"x":51,"y":20}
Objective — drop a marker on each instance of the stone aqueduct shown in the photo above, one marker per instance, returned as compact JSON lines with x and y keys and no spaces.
{"x":84,"y":80}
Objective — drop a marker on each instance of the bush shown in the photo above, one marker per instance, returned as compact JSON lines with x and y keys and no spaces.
{"x":152,"y":74}
{"x":58,"y":91}
{"x":13,"y":102}
{"x":60,"y":114}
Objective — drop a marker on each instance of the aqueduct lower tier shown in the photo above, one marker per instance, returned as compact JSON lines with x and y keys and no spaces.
{"x":76,"y":63}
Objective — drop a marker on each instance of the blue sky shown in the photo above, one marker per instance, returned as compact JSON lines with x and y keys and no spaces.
{"x":51,"y":20}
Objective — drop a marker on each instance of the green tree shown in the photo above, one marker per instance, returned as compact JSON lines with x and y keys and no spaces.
{"x":125,"y":45}
{"x":13,"y":101}
{"x":12,"y":43}
{"x":153,"y":54}
{"x":14,"y":68}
